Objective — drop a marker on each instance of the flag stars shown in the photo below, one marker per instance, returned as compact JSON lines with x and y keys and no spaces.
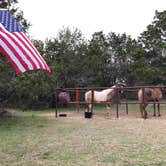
{"x":10,"y":25}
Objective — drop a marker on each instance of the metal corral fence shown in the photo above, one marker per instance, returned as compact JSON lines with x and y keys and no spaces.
{"x":129,"y":96}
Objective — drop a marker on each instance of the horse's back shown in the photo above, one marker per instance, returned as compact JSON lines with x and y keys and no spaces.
{"x":64,"y":97}
{"x":100,"y":96}
{"x":150,"y":94}
{"x":157,"y":93}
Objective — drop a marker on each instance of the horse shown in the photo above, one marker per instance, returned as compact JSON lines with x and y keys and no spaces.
{"x":104,"y":96}
{"x":153,"y":94}
{"x":60,"y":97}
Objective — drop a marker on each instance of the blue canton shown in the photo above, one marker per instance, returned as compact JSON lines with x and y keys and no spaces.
{"x":8,"y":21}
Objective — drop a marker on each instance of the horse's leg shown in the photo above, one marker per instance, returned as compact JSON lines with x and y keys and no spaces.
{"x":90,"y":108}
{"x":141,"y":110}
{"x":87,"y":107}
{"x":154,"y":111}
{"x":108,"y":107}
{"x":145,"y":112}
{"x":158,"y":108}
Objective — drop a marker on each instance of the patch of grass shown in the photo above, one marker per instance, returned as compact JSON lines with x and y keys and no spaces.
{"x":29,"y":140}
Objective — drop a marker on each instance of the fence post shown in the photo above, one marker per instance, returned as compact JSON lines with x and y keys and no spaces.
{"x":126,"y":102}
{"x":143,"y":99}
{"x":117,"y":102}
{"x":77,"y":100}
{"x":56,"y":106}
{"x":143,"y":91}
{"x":92,"y":101}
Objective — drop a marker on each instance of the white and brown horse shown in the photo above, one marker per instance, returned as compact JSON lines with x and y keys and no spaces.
{"x":149,"y":94}
{"x":107,"y":96}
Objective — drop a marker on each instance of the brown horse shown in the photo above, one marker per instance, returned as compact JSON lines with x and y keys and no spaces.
{"x":64,"y":98}
{"x":145,"y":95}
{"x":60,"y":98}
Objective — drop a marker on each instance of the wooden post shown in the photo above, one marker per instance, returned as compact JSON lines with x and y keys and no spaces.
{"x":127,"y":108}
{"x":92,"y":101}
{"x":143,"y":97}
{"x":126,"y":103}
{"x":56,"y":106}
{"x":77,"y":100}
{"x":143,"y":103}
{"x":117,"y":102}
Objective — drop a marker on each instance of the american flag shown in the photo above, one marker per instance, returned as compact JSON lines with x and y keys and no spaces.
{"x":16,"y":46}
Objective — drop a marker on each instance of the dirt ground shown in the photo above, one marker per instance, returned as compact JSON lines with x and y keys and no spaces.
{"x":108,"y":140}
{"x":97,"y":115}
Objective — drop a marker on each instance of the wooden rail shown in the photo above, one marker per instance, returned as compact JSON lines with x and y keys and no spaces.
{"x":118,"y":102}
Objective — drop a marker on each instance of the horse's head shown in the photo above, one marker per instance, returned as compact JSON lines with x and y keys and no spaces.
{"x":120,"y":86}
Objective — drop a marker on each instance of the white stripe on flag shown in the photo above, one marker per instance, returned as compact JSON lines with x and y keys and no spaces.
{"x":16,"y":48}
{"x":35,"y":51}
{"x":23,"y":50}
{"x":26,"y":46}
{"x":12,"y":56}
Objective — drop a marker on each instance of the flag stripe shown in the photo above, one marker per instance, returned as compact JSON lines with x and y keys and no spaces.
{"x":28,"y":51}
{"x":36,"y":53}
{"x":15,"y":54}
{"x":28,"y":54}
{"x":16,"y":46}
{"x":33,"y":53}
{"x":11,"y":58}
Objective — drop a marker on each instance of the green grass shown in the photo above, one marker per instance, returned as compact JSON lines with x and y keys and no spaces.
{"x":30,"y":140}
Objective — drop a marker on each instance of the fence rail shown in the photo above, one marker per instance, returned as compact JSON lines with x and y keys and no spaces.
{"x":125,"y":100}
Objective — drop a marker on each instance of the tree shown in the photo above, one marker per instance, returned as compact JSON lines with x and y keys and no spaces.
{"x":123,"y":50}
{"x":153,"y":41}
{"x":66,"y":55}
{"x":97,"y":60}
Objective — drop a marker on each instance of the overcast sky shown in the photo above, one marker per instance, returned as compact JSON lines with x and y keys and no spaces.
{"x":119,"y":16}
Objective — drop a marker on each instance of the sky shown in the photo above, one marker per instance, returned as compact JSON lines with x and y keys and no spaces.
{"x":47,"y":18}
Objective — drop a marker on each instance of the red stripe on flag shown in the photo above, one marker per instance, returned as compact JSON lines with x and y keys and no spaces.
{"x":20,"y":49}
{"x":16,"y":46}
{"x":15,"y":66}
{"x":42,"y":61}
{"x":28,"y":53}
{"x":19,"y":52}
{"x":15,"y":53}
{"x":33,"y":58}
{"x":37,"y":55}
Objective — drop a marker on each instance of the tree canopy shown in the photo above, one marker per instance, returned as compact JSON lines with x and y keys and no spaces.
{"x":77,"y":62}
